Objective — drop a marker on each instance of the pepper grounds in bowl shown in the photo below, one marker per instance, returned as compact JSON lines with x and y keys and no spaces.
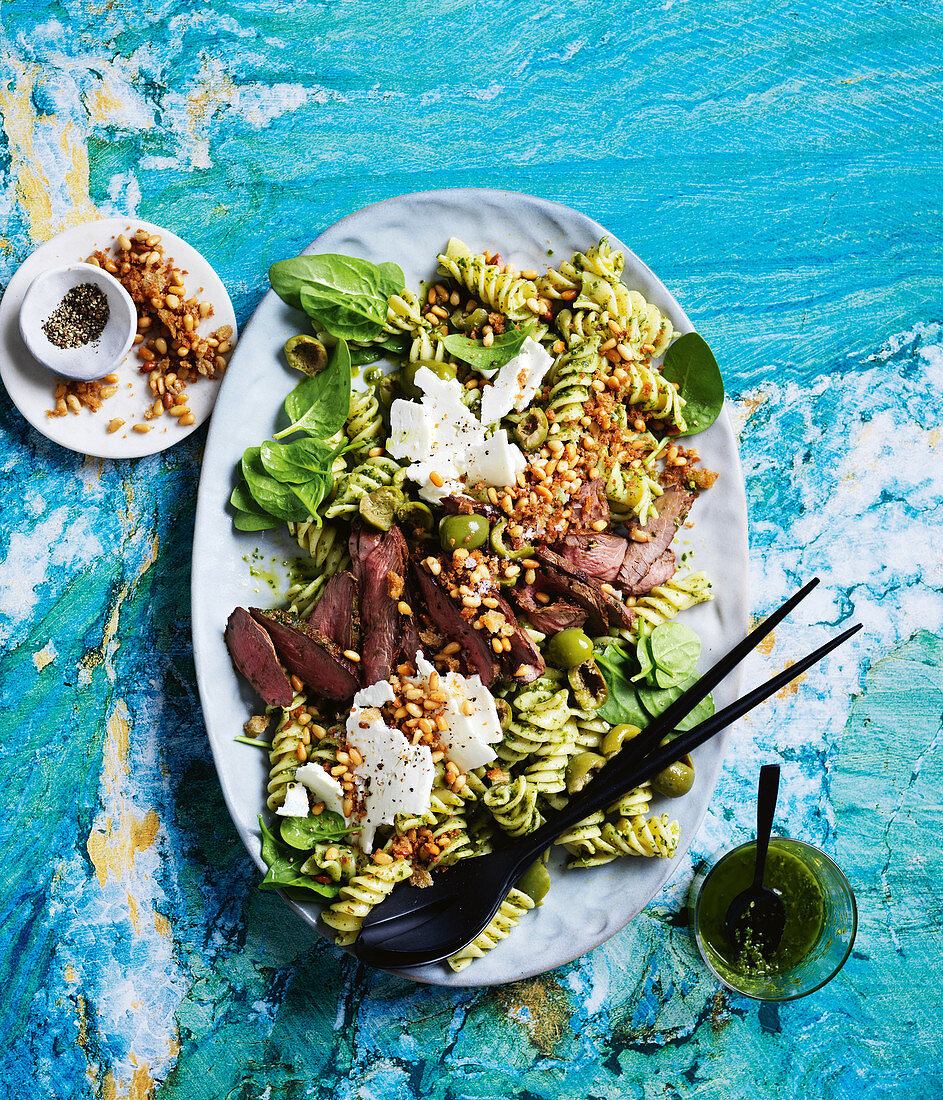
{"x":79,"y":319}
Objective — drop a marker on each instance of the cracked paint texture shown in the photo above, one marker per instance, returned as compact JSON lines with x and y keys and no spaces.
{"x":781,"y":171}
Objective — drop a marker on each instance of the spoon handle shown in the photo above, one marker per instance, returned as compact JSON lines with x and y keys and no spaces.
{"x":765,"y":811}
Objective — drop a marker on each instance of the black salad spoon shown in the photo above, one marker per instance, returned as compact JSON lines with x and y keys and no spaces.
{"x":756,"y":917}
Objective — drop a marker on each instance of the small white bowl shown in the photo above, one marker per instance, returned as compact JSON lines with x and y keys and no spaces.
{"x":92,"y":360}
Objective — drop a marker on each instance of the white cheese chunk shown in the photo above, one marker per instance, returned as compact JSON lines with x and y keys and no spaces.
{"x":374,"y":696}
{"x":469,"y":738}
{"x":324,"y":787}
{"x":411,"y":430}
{"x":296,"y":801}
{"x":516,"y":383}
{"x":396,"y":776}
{"x":495,"y":461}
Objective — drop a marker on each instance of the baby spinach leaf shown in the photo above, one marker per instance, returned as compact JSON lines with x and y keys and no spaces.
{"x":295,"y":463}
{"x":304,"y":832}
{"x":622,"y":706}
{"x":346,"y":318}
{"x":313,"y":493}
{"x":644,"y":656}
{"x":319,"y":406}
{"x":675,"y":649}
{"x":274,"y":498}
{"x":691,"y":363}
{"x":391,"y":279}
{"x":656,"y":700}
{"x":284,"y":870}
{"x":486,"y":360}
{"x":250,"y":516}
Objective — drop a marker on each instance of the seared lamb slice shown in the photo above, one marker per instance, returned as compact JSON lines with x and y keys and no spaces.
{"x":335,"y":614}
{"x":310,"y":655}
{"x":661,"y":571}
{"x":523,"y":661}
{"x":378,"y":559}
{"x":598,"y":555}
{"x":673,"y":506}
{"x":446,"y":615}
{"x":548,"y":618}
{"x":590,"y":505}
{"x":254,"y":655}
{"x":609,"y":608}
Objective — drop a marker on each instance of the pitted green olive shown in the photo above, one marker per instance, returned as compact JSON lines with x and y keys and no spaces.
{"x":617,"y":736}
{"x":416,"y":513}
{"x":504,"y":712}
{"x":531,"y":430}
{"x":675,"y":780}
{"x":469,"y":532}
{"x":589,"y":685}
{"x":580,"y":768}
{"x":569,"y":648}
{"x":535,"y":882}
{"x":379,"y":507}
{"x":306,"y":354}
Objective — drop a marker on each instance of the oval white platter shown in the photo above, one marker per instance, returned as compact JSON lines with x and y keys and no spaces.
{"x":30,"y":385}
{"x":231,"y":568}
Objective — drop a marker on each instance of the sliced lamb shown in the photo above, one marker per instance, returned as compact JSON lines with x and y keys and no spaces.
{"x":661,"y":571}
{"x":603,"y":606}
{"x":335,"y":614}
{"x":548,"y":618}
{"x":523,"y":662}
{"x":254,"y":655}
{"x":598,"y":555}
{"x":378,"y":559}
{"x":310,"y":655}
{"x":673,"y":506}
{"x":446,"y":615}
{"x":589,"y":506}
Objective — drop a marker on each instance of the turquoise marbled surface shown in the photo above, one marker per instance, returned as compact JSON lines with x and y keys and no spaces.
{"x":780,"y":167}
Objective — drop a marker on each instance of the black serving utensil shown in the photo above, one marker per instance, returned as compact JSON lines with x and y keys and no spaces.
{"x":757,"y":916}
{"x":415,"y":926}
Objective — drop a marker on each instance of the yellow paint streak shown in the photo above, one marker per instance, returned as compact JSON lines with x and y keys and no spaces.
{"x":766,"y":646}
{"x":69,"y":973}
{"x":792,"y":687}
{"x":28,"y":135}
{"x":548,"y":1010}
{"x":134,"y":914}
{"x":109,"y":1088}
{"x":142,"y":1084}
{"x":162,"y":924}
{"x":103,"y":105}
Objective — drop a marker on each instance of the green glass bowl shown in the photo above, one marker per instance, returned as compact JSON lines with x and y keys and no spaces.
{"x":826,"y":953}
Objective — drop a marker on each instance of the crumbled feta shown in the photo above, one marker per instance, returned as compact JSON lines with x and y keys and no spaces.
{"x":516,"y":383}
{"x":411,"y":431}
{"x":396,"y":776}
{"x":469,"y":737}
{"x":374,"y":696}
{"x":324,"y":787}
{"x":495,"y":461}
{"x":296,"y":801}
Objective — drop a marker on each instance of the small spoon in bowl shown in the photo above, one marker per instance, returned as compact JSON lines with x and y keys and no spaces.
{"x":756,"y":916}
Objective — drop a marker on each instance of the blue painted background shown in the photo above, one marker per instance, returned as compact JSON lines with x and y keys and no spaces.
{"x":780,"y":168}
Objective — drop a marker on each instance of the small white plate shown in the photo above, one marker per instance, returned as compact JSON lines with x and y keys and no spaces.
{"x":30,"y":385}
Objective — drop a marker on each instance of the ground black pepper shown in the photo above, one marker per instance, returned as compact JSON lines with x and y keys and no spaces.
{"x":79,"y":319}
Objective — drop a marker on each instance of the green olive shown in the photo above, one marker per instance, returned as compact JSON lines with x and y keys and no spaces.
{"x":617,"y":736}
{"x":408,"y":374}
{"x":379,"y":507}
{"x":535,"y":882}
{"x":469,"y":532}
{"x":531,"y":430}
{"x":675,"y":780}
{"x":388,"y":387}
{"x":417,"y":514}
{"x":589,"y":685}
{"x":580,"y":768}
{"x":505,"y":713}
{"x":306,"y":354}
{"x":569,"y":648}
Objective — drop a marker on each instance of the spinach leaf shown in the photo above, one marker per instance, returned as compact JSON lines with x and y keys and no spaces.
{"x":294,"y":463}
{"x":313,"y":493}
{"x":304,"y":832}
{"x":250,"y":516}
{"x":622,"y":706}
{"x":487,"y":360}
{"x":380,"y":349}
{"x":675,"y":649}
{"x":691,"y":363}
{"x":344,"y":295}
{"x":319,"y":406}
{"x":284,"y":870}
{"x":656,"y":700}
{"x":274,"y":498}
{"x":644,"y":655}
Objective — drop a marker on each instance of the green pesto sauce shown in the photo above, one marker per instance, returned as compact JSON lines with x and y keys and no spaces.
{"x":258,"y":569}
{"x":801,"y":895}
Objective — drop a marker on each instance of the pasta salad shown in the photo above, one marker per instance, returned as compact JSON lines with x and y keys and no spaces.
{"x":485,"y":608}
